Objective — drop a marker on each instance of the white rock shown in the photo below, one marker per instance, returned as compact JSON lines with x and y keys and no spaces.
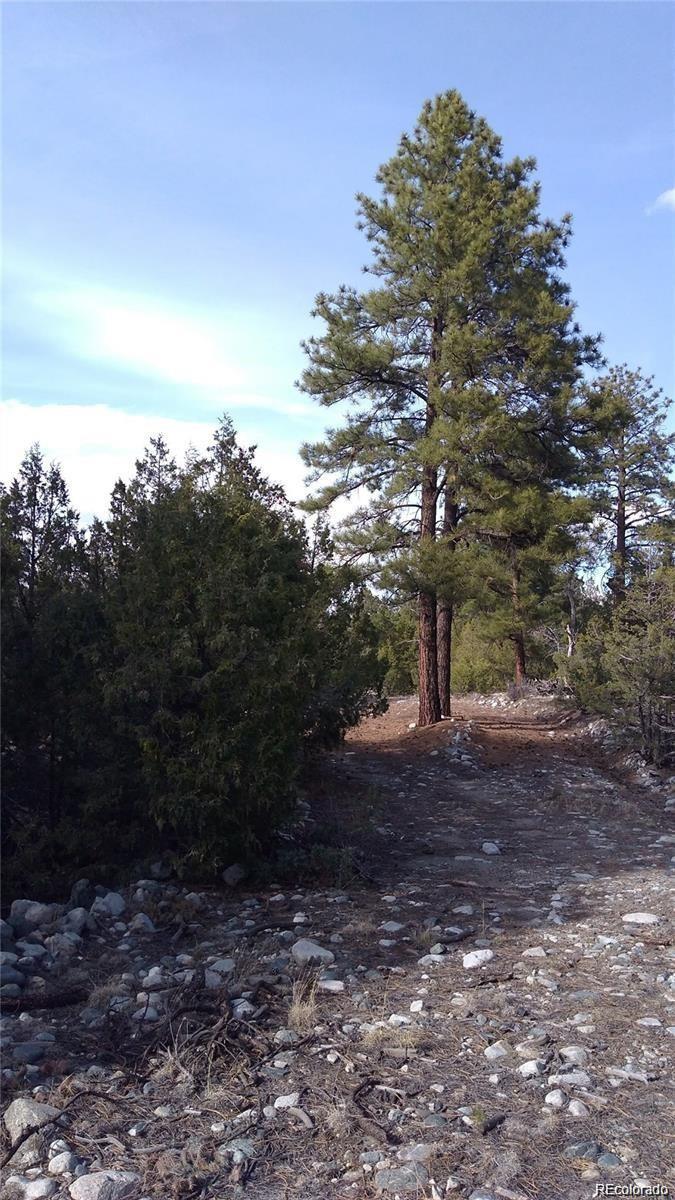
{"x":570,"y":1079}
{"x":105,"y":1185}
{"x":305,"y":951}
{"x":476,"y":958}
{"x":534,"y":952}
{"x":531,"y":1068}
{"x":392,"y":926}
{"x":496,"y":1050}
{"x":23,"y":1113}
{"x":289,"y":1101}
{"x":417,"y":1006}
{"x":649,"y":1022}
{"x":333,"y":986}
{"x":490,"y":848}
{"x":577,"y":1109}
{"x":576,"y":1055}
{"x":556,"y":1098}
{"x":63,"y":1164}
{"x":28,"y":1189}
{"x":641,"y":918}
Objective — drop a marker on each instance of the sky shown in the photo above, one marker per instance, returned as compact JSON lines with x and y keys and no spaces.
{"x":179,"y":183}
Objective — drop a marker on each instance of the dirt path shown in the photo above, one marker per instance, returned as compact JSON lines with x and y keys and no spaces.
{"x":401,"y":1067}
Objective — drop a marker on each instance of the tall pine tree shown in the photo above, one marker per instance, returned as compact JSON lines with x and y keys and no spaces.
{"x":469,"y":331}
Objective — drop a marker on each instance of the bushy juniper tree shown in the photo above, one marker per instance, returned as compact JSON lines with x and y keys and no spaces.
{"x":456,"y":367}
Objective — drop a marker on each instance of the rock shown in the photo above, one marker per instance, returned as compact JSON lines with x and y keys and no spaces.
{"x":577,"y":1109}
{"x":496,"y":1050}
{"x":575,"y":1054}
{"x":147,"y":1013}
{"x":62,"y":945}
{"x":63,"y":1163}
{"x":641,"y":918}
{"x":29,"y":1052}
{"x":490,"y":848}
{"x":392,"y":926}
{"x":534,"y":952}
{"x":82,"y":895}
{"x":481,"y":1194}
{"x":477,"y":958}
{"x":10,"y":991}
{"x":607,"y":1159}
{"x":419,"y":1152}
{"x":402,"y":1179}
{"x":570,"y":1079}
{"x":333,"y":986}
{"x":27,"y":915}
{"x":141,"y":923}
{"x":19,"y":1188}
{"x":23,"y":1113}
{"x":77,"y":920}
{"x":286,"y":1037}
{"x":9,"y":974}
{"x":110,"y":905}
{"x":289,"y":1101}
{"x":305,"y":951}
{"x":584,"y":1150}
{"x":105,"y":1185}
{"x":556,"y":1098}
{"x":532,"y":1068}
{"x":234,"y":874}
{"x":6,"y":935}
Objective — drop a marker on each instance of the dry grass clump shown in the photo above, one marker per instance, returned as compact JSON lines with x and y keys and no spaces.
{"x":303,"y":1007}
{"x":398,"y":1037}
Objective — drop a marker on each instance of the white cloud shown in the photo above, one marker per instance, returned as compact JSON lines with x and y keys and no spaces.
{"x":665,"y":200}
{"x":97,"y":444}
{"x":224,"y":357}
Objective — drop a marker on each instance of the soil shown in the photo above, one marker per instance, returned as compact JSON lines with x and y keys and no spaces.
{"x":580,"y":844}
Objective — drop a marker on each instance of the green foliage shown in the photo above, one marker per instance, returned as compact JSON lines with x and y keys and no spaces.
{"x":164,"y":675}
{"x":396,"y":627}
{"x":627,"y":665}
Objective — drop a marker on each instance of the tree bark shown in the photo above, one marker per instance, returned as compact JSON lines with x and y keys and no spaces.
{"x":430,"y":705}
{"x":445,"y":613}
{"x":619,"y":581}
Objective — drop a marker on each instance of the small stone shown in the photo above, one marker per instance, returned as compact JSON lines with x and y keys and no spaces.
{"x":575,"y":1054}
{"x":532,"y":1068}
{"x":534,"y":952}
{"x":490,"y":848}
{"x":583,"y":1150}
{"x":577,"y":1109}
{"x":477,"y":958}
{"x":419,"y":1152}
{"x":148,"y":1013}
{"x":19,"y":1188}
{"x":28,"y":1052}
{"x":417,"y":1006}
{"x":305,"y":951}
{"x":332,"y":986}
{"x":23,"y":1113}
{"x":392,"y":926}
{"x":105,"y":1185}
{"x":607,"y":1159}
{"x":641,"y":918}
{"x":402,"y":1179}
{"x":570,"y":1079}
{"x":289,"y":1101}
{"x":496,"y":1050}
{"x":556,"y":1098}
{"x":63,"y":1164}
{"x":141,"y":923}
{"x":110,"y":905}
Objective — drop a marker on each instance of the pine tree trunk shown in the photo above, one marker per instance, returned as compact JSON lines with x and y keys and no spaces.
{"x":445,"y":614}
{"x":430,"y":705}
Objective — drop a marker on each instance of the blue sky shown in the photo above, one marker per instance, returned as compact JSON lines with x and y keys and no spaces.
{"x":179,"y":182}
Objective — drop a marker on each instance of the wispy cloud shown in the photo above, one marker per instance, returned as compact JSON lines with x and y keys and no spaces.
{"x":97,"y":444}
{"x":665,"y":200}
{"x":195,"y":351}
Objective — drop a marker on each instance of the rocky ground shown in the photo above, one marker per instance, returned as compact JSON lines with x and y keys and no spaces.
{"x":487,"y":1012}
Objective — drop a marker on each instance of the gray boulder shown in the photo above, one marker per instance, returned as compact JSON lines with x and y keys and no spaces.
{"x":305,"y":951}
{"x":105,"y":1185}
{"x":19,"y":1188}
{"x":82,"y":894}
{"x":27,"y":915}
{"x":23,"y":1113}
{"x":110,"y":905}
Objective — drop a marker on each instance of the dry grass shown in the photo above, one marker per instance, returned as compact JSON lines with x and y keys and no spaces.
{"x":302,"y":1011}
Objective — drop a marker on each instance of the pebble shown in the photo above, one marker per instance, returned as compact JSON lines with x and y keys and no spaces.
{"x":402,"y":1179}
{"x":577,"y":1109}
{"x":641,"y":918}
{"x":477,"y":958}
{"x":305,"y":951}
{"x":105,"y":1185}
{"x":556,"y":1098}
